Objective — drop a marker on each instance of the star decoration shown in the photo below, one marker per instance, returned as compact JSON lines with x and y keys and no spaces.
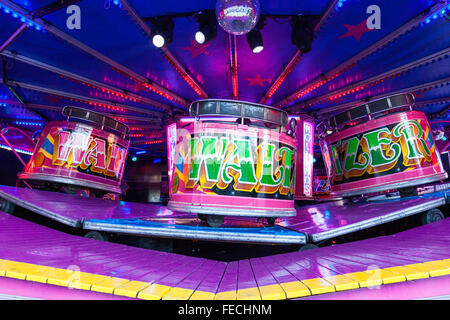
{"x":356,"y":31}
{"x":197,"y":49}
{"x":257,"y":81}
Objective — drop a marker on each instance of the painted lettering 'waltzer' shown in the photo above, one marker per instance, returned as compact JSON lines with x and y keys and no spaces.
{"x":79,"y":150}
{"x":400,"y":146}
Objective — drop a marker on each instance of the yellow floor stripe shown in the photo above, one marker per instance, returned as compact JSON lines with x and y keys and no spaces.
{"x":272,"y":292}
{"x":202,"y":295}
{"x":178,"y":294}
{"x":153,"y":292}
{"x":248,"y":294}
{"x":109,"y":285}
{"x":411,"y":273}
{"x":391,"y":277}
{"x":318,"y":286}
{"x":295,"y":289}
{"x":341,"y":282}
{"x":131,"y":289}
{"x":366,"y":278}
{"x":30,"y":273}
{"x":438,"y":268}
{"x":227,"y":295}
{"x":61,"y":277}
{"x":289,"y":290}
{"x":84,"y":281}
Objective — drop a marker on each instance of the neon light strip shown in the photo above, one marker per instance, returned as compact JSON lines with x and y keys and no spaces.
{"x":296,"y":57}
{"x":23,"y":123}
{"x":16,"y":149}
{"x":278,"y":81}
{"x":21,"y":17}
{"x":364,"y":84}
{"x":233,"y":65}
{"x":351,"y":63}
{"x":171,"y":142}
{"x":230,"y":119}
{"x":183,"y":73}
{"x":308,"y":157}
{"x":149,"y":84}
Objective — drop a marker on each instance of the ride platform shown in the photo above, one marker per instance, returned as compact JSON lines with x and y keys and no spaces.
{"x":313,"y":223}
{"x":38,"y":262}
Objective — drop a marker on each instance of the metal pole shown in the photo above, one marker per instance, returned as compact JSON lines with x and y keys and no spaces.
{"x":14,"y":36}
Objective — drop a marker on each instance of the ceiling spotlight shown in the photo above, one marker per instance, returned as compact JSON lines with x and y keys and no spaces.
{"x":302,"y":32}
{"x":162,"y":31}
{"x":207,"y":26}
{"x":255,"y":41}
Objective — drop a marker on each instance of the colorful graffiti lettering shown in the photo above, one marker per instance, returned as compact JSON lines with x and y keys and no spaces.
{"x":321,"y":185}
{"x":222,"y":164}
{"x":394,"y":148}
{"x":308,"y":140}
{"x":80,"y":150}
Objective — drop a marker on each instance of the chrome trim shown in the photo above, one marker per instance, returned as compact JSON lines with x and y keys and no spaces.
{"x":210,"y":234}
{"x":244,"y":212}
{"x":394,"y":185}
{"x":402,"y":99}
{"x":72,"y":181}
{"x":39,"y":210}
{"x":195,"y":106}
{"x":377,"y":220}
{"x":100,"y":119}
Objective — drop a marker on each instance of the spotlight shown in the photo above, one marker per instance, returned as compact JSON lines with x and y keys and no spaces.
{"x":302,"y":33}
{"x":255,"y":41}
{"x":207,"y":26}
{"x":254,"y":37}
{"x":162,"y":31}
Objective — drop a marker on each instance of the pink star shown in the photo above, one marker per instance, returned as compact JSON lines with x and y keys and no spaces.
{"x":257,"y":80}
{"x":356,"y":31}
{"x":197,"y":49}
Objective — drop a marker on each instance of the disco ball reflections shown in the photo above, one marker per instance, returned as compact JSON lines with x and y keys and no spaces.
{"x":237,"y":16}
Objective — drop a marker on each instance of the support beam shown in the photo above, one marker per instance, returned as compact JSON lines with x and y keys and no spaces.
{"x":13,"y":37}
{"x":19,"y":99}
{"x":93,"y":83}
{"x":281,"y":77}
{"x":350,"y":63}
{"x":52,"y":7}
{"x":110,"y":114}
{"x":360,"y":85}
{"x":152,"y":85}
{"x":182,"y":71}
{"x":90,"y":100}
{"x":295,"y":58}
{"x":324,"y":113}
{"x":145,"y":141}
{"x":233,"y":65}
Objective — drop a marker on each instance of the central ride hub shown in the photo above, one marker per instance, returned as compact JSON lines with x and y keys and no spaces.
{"x":235,"y":159}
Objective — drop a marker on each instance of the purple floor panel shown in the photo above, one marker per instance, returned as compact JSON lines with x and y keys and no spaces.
{"x":329,"y":219}
{"x":437,"y":288}
{"x":320,"y":222}
{"x":143,"y":219}
{"x":75,"y":208}
{"x":28,"y":242}
{"x":34,"y":290}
